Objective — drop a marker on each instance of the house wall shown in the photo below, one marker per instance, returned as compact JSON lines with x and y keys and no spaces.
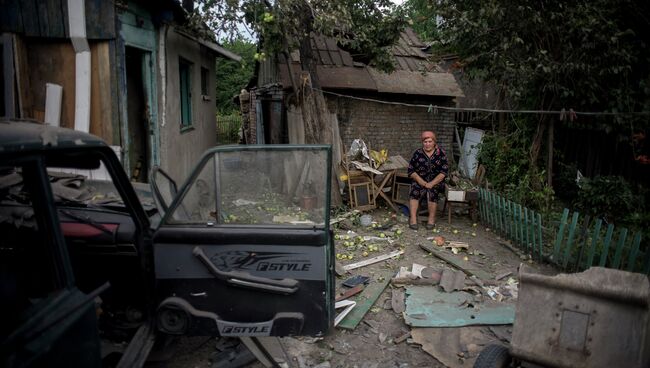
{"x":396,"y":128}
{"x":181,"y":148}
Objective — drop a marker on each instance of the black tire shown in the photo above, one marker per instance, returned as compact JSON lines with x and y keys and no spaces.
{"x":493,"y":356}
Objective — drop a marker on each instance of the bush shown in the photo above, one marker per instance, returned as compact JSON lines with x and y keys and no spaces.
{"x":609,"y":197}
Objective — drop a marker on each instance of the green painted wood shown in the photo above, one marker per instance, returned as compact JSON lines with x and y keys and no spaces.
{"x":527,"y":230}
{"x":618,"y":254}
{"x":458,"y":262}
{"x":522,"y":240}
{"x":606,"y":243}
{"x":569,"y":243}
{"x":581,"y":243}
{"x":365,"y":300}
{"x":646,"y":263}
{"x":560,"y":235}
{"x":631,"y":261}
{"x":595,"y":237}
{"x":490,"y":208}
{"x":539,"y":236}
{"x":533,"y":228}
{"x":500,"y":213}
{"x":429,"y":307}
{"x":484,"y":216}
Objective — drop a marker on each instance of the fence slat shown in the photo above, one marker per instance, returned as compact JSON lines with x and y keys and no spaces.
{"x":560,"y":235}
{"x":606,"y":243}
{"x":595,"y":237}
{"x":539,"y":235}
{"x":619,"y":248}
{"x":527,"y":230}
{"x":569,"y":242}
{"x":631,"y":262}
{"x":522,"y":240}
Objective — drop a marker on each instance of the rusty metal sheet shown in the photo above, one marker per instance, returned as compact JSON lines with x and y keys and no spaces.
{"x":597,"y":318}
{"x":428,"y":307}
{"x":416,"y":83}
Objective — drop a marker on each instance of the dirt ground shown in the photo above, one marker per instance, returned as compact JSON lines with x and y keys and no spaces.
{"x":375,"y":342}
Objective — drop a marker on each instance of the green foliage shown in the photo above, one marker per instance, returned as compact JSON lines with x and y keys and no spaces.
{"x":366,"y":27}
{"x":232,"y":76}
{"x":610,"y":197}
{"x":508,"y":169}
{"x":586,"y":55}
{"x":421,"y":16}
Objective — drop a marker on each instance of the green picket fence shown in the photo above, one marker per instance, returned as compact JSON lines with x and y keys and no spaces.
{"x":579,"y":242}
{"x":521,"y":225}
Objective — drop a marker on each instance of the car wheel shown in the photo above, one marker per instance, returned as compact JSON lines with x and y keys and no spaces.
{"x":493,"y":356}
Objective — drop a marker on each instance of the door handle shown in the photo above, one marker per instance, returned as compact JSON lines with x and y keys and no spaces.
{"x":244,"y":279}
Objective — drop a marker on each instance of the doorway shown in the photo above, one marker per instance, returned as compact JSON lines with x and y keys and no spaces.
{"x":139,"y":129}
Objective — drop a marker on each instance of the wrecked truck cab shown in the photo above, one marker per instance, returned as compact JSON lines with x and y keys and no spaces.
{"x":108,"y":264}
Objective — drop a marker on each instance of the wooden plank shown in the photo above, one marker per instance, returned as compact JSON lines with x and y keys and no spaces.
{"x":606,"y":242}
{"x":100,"y":19}
{"x":631,"y":262}
{"x":581,"y":243}
{"x":527,"y":231}
{"x":55,"y":25}
{"x":533,"y":229}
{"x":539,"y":235}
{"x":560,"y":235}
{"x":10,"y":16}
{"x":646,"y":263}
{"x":372,"y":260}
{"x":350,"y":292}
{"x":595,"y":238}
{"x":619,"y":248}
{"x":522,"y":239}
{"x":365,"y":300}
{"x":457,"y":262}
{"x":29,"y":14}
{"x":101,"y":119}
{"x":570,"y":238}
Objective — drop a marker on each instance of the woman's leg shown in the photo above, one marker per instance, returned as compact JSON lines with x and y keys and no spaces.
{"x":413,"y":211}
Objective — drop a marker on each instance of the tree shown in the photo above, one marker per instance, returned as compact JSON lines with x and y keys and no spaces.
{"x":232,"y":76}
{"x":589,"y":55}
{"x":367,"y":27}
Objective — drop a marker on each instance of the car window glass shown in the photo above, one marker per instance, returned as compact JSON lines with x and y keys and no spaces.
{"x":283,"y":187}
{"x":28,"y":274}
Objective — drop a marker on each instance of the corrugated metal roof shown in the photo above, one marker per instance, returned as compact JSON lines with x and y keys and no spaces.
{"x":414,"y":73}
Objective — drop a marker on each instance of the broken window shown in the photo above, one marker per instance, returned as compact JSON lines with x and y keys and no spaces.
{"x":257,"y":187}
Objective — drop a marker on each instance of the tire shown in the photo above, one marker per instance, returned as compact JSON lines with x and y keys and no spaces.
{"x":493,"y":356}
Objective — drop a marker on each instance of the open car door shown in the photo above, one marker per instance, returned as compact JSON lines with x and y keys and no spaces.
{"x":245,"y":249}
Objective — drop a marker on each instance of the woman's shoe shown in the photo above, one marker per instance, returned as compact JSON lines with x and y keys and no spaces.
{"x":431,"y":226}
{"x":413,"y":226}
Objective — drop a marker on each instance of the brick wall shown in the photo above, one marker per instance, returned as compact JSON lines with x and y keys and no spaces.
{"x":396,"y":128}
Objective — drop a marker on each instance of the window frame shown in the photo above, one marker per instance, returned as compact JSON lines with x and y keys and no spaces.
{"x":185,"y":68}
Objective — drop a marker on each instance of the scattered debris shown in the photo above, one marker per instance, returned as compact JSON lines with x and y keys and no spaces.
{"x":356,"y":280}
{"x":370,"y":261}
{"x":402,"y":338}
{"x":503,"y":275}
{"x":460,"y":264}
{"x":366,"y":299}
{"x":452,"y":280}
{"x":397,"y":300}
{"x":348,"y":305}
{"x":350,"y":292}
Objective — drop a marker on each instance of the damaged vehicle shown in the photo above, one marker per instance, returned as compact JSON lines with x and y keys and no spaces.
{"x":94,"y":269}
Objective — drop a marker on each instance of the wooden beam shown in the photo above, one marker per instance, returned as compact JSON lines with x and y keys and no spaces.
{"x":365,"y":300}
{"x":457,"y":262}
